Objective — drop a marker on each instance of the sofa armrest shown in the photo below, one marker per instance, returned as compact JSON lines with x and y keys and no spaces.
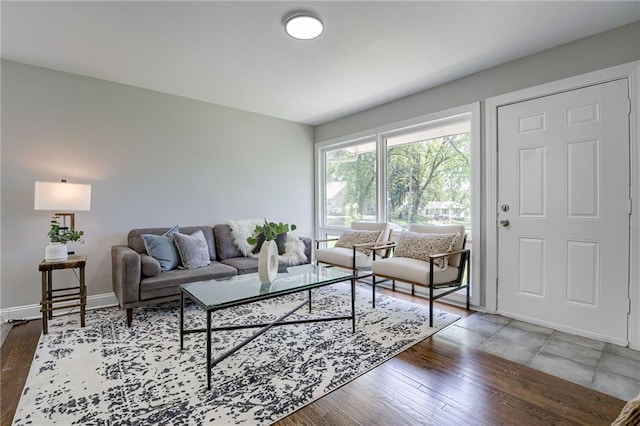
{"x":125,"y":274}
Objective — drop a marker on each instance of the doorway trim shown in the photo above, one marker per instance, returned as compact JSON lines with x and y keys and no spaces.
{"x":631,"y":71}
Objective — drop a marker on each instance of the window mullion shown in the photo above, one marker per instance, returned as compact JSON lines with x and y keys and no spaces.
{"x":381,"y":156}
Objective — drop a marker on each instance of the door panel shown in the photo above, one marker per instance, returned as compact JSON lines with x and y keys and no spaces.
{"x":563,"y":170}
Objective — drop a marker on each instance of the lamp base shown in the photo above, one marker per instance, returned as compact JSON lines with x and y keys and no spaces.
{"x":55,"y":252}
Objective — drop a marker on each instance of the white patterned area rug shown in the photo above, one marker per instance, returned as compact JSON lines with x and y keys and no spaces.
{"x":108,"y":374}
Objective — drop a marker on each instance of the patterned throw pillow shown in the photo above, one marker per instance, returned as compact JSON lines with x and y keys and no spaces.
{"x":420,"y":246}
{"x":193,"y":250}
{"x":351,"y":238}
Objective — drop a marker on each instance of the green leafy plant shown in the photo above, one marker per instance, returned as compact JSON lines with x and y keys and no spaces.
{"x":62,"y":235}
{"x":270,"y":231}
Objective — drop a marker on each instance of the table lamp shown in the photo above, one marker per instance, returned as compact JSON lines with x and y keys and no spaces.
{"x":63,"y":198}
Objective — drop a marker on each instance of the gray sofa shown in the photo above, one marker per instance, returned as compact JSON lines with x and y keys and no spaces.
{"x":133,"y":288}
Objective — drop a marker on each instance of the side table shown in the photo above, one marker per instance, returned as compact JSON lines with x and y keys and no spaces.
{"x":66,"y":294}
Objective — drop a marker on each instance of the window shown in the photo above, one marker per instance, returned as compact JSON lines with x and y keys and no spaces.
{"x":350,"y":184}
{"x":429,"y":173}
{"x":424,"y":170}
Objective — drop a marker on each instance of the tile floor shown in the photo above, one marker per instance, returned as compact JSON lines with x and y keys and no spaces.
{"x":608,"y":368}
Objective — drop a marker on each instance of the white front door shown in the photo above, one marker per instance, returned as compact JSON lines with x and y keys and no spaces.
{"x":564,"y":188}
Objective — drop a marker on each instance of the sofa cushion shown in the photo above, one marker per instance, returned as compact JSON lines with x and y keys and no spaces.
{"x":193,"y":250}
{"x":248,"y":265}
{"x":412,"y":270}
{"x":168,"y":283}
{"x":162,"y":248}
{"x":343,"y":257}
{"x":135,"y":241}
{"x":150,"y":267}
{"x":207,"y":231}
{"x":225,"y":247}
{"x":244,"y":265}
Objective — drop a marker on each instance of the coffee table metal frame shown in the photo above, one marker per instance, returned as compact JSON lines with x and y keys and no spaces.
{"x":263,"y":327}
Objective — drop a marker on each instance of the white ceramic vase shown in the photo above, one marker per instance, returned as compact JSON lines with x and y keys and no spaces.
{"x":55,"y":252}
{"x":268,"y":262}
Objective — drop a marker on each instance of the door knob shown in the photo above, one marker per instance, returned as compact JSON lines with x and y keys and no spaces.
{"x":504,"y":222}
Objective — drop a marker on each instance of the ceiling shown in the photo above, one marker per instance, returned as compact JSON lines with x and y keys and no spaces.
{"x":236,"y":53}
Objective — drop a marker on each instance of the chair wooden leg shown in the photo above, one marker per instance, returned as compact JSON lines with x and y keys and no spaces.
{"x":413,"y":290}
{"x":393,"y":285}
{"x":129,"y":316}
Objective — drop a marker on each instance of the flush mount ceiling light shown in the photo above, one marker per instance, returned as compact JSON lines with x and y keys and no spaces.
{"x":303,"y":26}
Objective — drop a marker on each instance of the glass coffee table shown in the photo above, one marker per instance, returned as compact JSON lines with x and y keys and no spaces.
{"x":213,"y":295}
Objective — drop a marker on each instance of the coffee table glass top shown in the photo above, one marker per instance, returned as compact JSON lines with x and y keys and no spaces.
{"x":218,"y":293}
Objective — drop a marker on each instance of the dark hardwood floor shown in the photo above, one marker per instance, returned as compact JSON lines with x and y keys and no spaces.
{"x":434,"y":382}
{"x":16,"y":355}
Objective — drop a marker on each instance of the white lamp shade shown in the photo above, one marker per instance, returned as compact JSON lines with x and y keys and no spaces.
{"x":62,"y":196}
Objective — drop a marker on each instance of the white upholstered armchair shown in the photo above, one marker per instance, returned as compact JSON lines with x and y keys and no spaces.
{"x":428,"y":256}
{"x":355,"y":248}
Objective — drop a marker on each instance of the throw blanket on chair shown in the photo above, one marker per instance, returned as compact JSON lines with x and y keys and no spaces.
{"x":294,"y":253}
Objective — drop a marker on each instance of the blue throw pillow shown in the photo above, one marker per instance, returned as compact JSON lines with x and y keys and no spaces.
{"x":162,"y":248}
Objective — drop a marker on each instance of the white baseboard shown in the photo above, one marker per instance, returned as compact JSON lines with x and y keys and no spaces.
{"x":28,"y":312}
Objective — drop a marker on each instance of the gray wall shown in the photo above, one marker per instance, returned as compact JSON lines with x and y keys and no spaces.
{"x":615,"y":47}
{"x":156,"y":159}
{"x":152,"y":160}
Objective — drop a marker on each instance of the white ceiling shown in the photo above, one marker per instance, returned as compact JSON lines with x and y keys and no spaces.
{"x":236,"y":53}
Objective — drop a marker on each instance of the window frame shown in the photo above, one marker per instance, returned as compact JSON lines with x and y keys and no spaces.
{"x":379,"y":134}
{"x":321,"y":188}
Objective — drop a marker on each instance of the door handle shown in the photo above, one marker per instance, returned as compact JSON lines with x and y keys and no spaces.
{"x":504,"y":222}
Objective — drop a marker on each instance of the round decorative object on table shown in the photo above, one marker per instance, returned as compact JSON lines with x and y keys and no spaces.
{"x":268,"y":262}
{"x":56,"y":252}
